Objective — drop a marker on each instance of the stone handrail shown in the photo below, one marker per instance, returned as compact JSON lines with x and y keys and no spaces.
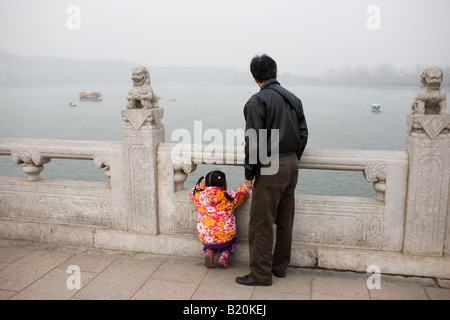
{"x":372,"y":163}
{"x":326,"y":159}
{"x":37,"y":152}
{"x":377,"y":222}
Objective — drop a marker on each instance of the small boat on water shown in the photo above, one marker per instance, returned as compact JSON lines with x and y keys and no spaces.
{"x":72,"y":103}
{"x":376,"y":107}
{"x":93,"y":96}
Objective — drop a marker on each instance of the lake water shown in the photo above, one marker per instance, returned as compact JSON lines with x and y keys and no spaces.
{"x":337,"y":117}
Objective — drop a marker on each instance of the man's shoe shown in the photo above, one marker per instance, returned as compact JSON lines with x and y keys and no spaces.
{"x":247,"y":281}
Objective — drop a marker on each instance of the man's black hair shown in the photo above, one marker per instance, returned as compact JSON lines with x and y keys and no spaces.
{"x":263,"y":68}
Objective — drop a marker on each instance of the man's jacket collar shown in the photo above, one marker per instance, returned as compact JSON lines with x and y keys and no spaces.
{"x":269,"y":82}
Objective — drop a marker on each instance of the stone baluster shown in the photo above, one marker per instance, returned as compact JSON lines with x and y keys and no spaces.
{"x":180,"y":174}
{"x":376,"y":172}
{"x":101,"y":160}
{"x":34,"y":162}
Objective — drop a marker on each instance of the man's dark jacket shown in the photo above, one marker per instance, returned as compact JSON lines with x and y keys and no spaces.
{"x":274,"y":107}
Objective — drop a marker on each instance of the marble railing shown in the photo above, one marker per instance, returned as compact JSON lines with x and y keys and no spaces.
{"x":63,"y":201}
{"x":321,"y":220}
{"x":35,"y":153}
{"x":350,"y":222}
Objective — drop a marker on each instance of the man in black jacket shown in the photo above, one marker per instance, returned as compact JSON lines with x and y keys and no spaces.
{"x":276,"y":136}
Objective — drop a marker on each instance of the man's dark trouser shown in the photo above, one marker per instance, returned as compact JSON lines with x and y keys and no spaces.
{"x":273,"y":201}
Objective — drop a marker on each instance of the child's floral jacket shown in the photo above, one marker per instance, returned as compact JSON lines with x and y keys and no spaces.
{"x":216,"y":221}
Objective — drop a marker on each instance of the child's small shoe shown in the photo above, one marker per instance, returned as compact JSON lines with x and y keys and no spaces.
{"x":223,"y":260}
{"x":209,"y":259}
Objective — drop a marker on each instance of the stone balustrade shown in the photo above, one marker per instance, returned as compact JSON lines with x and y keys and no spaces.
{"x":62,"y":201}
{"x":34,"y":153}
{"x":145,"y":207}
{"x":345,"y":222}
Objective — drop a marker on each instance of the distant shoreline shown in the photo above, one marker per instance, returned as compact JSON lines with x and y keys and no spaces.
{"x":18,"y":70}
{"x":285,"y":84}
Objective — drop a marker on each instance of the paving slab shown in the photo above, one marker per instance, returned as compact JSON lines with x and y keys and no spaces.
{"x":88,"y":262}
{"x":292,"y":287}
{"x":274,"y":295}
{"x":24,"y":271}
{"x":292,"y":283}
{"x":119,"y":281}
{"x":398,"y":291}
{"x":330,"y":288}
{"x":53,"y":286}
{"x":445,"y":283}
{"x":11,"y":254}
{"x":180,"y":273}
{"x":7,"y":294}
{"x":165,"y":290}
{"x":220,"y":284}
{"x":437,"y":293}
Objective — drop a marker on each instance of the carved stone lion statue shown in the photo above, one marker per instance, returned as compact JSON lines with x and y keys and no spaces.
{"x":432,"y":97}
{"x":141,"y":94}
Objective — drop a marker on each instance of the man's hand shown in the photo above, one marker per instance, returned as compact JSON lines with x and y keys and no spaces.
{"x":249,"y":184}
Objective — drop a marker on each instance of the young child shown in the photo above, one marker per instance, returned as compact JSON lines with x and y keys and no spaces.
{"x":216,"y":225}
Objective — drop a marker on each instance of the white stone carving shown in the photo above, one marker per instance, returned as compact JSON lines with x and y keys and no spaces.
{"x":429,"y":117}
{"x":180,"y":175}
{"x":141,"y":94}
{"x":427,"y":143}
{"x":142,"y":134}
{"x":432,"y":97}
{"x":377,"y":171}
{"x":427,"y":202}
{"x":338,"y":222}
{"x":33,"y":162}
{"x":135,"y":119}
{"x":186,"y":214}
{"x":101,"y":160}
{"x":428,"y":126}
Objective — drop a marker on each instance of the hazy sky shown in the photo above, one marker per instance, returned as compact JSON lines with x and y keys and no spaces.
{"x":304,"y":37}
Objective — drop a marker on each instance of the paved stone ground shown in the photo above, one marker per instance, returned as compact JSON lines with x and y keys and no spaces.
{"x":40,"y":271}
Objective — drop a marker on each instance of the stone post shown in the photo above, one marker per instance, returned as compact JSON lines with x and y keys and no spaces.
{"x":142,"y":134}
{"x":428,"y":146}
